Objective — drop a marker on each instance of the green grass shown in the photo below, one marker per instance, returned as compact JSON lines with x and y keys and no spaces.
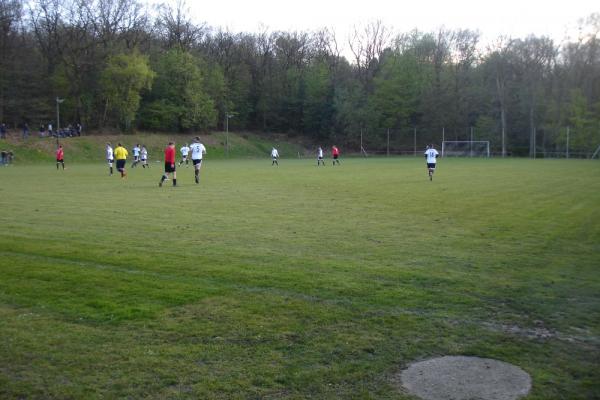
{"x":296,"y":282}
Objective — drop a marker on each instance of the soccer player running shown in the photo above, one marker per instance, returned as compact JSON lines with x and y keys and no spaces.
{"x":169,"y":164}
{"x":60,"y":155}
{"x":144,"y":157}
{"x":431,"y":155}
{"x":109,"y":158}
{"x":121,"y":157}
{"x":198,"y":150}
{"x":274,"y":157}
{"x":335,"y":153}
{"x":136,"y":155}
{"x":185,"y":150}
{"x":320,"y":157}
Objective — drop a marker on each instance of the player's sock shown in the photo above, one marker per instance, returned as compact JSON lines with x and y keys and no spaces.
{"x":174,"y":181}
{"x":57,"y":166}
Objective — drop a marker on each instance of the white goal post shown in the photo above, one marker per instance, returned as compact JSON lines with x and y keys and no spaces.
{"x":466,"y":148}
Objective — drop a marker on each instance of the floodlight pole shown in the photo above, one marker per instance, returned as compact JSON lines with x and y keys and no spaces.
{"x":227,"y":116}
{"x":58,"y":101}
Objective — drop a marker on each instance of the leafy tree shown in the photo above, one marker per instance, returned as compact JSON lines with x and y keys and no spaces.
{"x":318,"y":108}
{"x":585,"y":123}
{"x":398,"y":88}
{"x":123,"y":80}
{"x":178,"y":100}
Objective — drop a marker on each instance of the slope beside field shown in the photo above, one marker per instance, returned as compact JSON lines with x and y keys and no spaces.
{"x":296,"y":282}
{"x":90,"y":148}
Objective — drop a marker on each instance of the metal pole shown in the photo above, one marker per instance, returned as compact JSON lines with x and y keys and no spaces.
{"x":443,"y":135}
{"x":503,"y":143}
{"x":361,"y":143}
{"x":227,"y":134}
{"x":415,"y":141}
{"x":471,"y":144}
{"x":388,"y":142}
{"x":534,"y":142}
{"x":568,"y":134}
{"x":57,"y":115}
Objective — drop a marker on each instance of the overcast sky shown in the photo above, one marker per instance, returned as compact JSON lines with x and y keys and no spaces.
{"x":515,"y":18}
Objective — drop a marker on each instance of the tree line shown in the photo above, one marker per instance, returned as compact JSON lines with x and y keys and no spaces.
{"x":120,"y":64}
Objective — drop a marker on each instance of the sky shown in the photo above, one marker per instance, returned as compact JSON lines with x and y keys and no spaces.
{"x":514,"y":18}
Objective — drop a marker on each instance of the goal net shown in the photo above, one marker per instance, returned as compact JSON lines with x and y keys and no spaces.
{"x":466,"y":148}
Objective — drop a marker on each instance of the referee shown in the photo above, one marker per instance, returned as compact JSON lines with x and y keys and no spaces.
{"x":121,"y":157}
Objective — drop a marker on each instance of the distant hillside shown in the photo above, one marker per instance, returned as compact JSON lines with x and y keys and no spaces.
{"x":91,"y":148}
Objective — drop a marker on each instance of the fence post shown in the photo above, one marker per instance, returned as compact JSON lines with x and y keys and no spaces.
{"x":471,"y":144}
{"x":415,"y":142}
{"x":388,"y":142}
{"x":568,"y":134}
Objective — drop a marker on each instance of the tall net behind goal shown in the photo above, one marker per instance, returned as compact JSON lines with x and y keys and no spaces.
{"x":466,"y":148}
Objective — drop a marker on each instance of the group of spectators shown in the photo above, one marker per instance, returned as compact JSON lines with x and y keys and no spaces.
{"x":69,"y":131}
{"x":46,"y":131}
{"x":7,"y":158}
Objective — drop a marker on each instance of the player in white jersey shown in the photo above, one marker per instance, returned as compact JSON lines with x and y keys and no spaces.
{"x":136,"y":155}
{"x":185,"y":150}
{"x":274,"y":156}
{"x":198,"y":150}
{"x":144,"y":157}
{"x":431,"y":155}
{"x":320,"y":157}
{"x":109,"y":157}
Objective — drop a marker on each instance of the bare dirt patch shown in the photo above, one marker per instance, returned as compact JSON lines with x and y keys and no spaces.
{"x":465,"y":378}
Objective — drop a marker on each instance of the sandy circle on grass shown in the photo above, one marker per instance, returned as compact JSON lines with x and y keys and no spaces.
{"x":465,"y":378}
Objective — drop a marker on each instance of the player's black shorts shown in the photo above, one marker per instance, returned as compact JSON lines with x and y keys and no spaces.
{"x":431,"y":165}
{"x":61,"y":160}
{"x":196,"y":162}
{"x":169,"y":167}
{"x":121,"y":164}
{"x":110,"y":160}
{"x":319,"y":158}
{"x":135,"y":158}
{"x":335,"y":156}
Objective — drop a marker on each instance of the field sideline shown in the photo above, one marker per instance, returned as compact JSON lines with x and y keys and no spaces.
{"x":296,"y":282}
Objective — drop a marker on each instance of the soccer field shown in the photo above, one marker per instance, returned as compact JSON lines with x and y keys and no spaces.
{"x":296,"y":281}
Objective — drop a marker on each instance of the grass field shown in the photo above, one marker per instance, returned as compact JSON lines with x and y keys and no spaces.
{"x":296,"y":282}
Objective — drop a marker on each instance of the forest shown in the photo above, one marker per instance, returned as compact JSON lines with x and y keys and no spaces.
{"x":123,"y":65}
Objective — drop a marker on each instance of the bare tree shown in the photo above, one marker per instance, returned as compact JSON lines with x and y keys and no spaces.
{"x":367,"y":43}
{"x":176,"y":28}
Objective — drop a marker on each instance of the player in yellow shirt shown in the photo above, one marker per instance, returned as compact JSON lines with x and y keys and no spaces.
{"x":121,"y":157}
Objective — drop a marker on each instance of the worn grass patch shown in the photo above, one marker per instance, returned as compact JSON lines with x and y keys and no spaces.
{"x":296,"y":281}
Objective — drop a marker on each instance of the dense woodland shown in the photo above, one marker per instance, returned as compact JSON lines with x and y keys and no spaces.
{"x":120,"y":64}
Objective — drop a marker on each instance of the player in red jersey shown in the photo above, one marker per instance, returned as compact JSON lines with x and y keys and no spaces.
{"x":60,"y":155}
{"x":169,"y":164}
{"x":335,"y":153}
